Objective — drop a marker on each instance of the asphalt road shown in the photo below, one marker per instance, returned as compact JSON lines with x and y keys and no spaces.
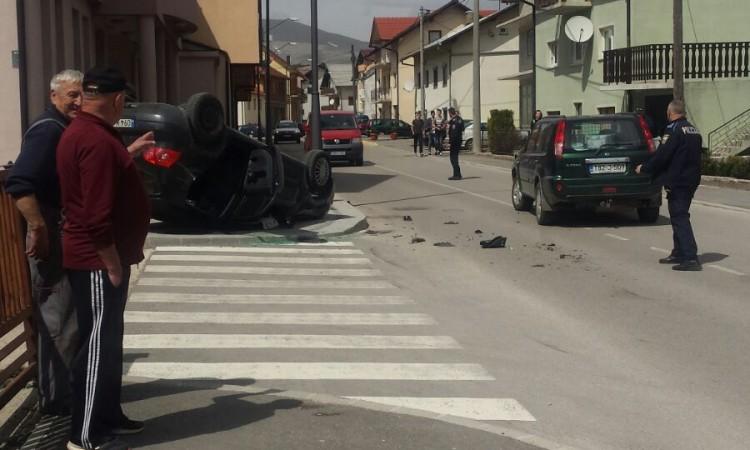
{"x":578,"y":322}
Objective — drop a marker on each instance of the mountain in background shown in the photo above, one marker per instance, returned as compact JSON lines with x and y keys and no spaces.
{"x":300,"y":33}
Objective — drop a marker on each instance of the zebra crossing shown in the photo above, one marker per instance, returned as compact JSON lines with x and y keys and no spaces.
{"x":304,"y":317}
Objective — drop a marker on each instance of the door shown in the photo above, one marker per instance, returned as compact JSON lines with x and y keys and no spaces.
{"x":524,"y":163}
{"x":656,"y":109}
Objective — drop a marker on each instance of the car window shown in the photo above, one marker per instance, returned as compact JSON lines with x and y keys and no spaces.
{"x":545,"y":134}
{"x":533,"y":138}
{"x":337,"y":122}
{"x":594,"y":134}
{"x":287,"y":124}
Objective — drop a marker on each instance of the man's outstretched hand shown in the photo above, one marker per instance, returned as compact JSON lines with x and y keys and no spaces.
{"x":141,"y":144}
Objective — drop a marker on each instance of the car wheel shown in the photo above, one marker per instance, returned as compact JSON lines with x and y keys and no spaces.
{"x":542,"y":217}
{"x":469,"y":144}
{"x":648,"y":215}
{"x":319,"y":173}
{"x":521,"y":201}
{"x":206,"y":117}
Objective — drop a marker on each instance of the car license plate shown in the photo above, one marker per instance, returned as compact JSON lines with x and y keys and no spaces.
{"x":597,"y":169}
{"x":125,"y":123}
{"x":338,"y":153}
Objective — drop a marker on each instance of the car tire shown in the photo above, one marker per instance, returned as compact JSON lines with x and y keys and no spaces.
{"x":521,"y":201}
{"x":469,"y":144}
{"x":542,"y":217}
{"x":648,"y":215}
{"x":359,"y":161}
{"x":318,"y":171}
{"x":206,"y":117}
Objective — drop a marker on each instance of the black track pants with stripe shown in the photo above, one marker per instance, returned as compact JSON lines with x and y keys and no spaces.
{"x":97,"y":368}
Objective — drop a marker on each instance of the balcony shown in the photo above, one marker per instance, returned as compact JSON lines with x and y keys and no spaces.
{"x":563,"y":6}
{"x":384,"y":95}
{"x":653,"y":62}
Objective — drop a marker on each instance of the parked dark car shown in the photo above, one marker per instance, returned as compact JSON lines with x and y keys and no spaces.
{"x":252,"y":130}
{"x":585,"y":160}
{"x":287,"y":131}
{"x":342,"y":140}
{"x":363,"y":122}
{"x":388,"y":126}
{"x":202,"y":171}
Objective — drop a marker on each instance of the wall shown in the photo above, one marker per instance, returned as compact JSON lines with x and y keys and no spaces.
{"x":10,"y":111}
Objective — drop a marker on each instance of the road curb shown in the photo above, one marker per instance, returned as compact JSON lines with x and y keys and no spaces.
{"x":500,"y":430}
{"x":734,"y":183}
{"x":341,"y":220}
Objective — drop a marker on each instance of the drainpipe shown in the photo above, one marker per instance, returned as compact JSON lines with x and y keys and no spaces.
{"x":22,"y":82}
{"x":629,"y":93}
{"x":398,"y":88}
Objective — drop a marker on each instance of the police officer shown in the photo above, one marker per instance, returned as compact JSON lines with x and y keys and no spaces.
{"x":455,"y":134}
{"x":677,"y":165}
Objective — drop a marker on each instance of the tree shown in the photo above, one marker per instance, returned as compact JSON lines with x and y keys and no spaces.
{"x":502,"y":133}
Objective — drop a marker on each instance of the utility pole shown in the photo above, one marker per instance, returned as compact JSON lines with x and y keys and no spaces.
{"x":677,"y":65}
{"x":354,"y":81}
{"x":421,"y":59}
{"x":269,"y":130}
{"x":317,"y":143}
{"x":476,"y":130}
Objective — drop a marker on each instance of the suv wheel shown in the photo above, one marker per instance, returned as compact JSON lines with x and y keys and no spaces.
{"x":648,"y":215}
{"x":521,"y":201}
{"x":319,"y":175}
{"x":469,"y":144}
{"x":542,"y":217}
{"x":206,"y":117}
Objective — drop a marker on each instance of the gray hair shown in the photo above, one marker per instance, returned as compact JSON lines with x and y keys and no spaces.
{"x":677,"y":107}
{"x":66,"y":76}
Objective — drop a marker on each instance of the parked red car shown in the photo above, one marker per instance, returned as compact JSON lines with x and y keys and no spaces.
{"x":342,"y":138}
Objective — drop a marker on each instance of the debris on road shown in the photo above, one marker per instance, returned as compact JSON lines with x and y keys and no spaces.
{"x":443,"y":244}
{"x":417,"y":240}
{"x":478,"y":231}
{"x":395,"y":236}
{"x":538,"y":265}
{"x":496,"y":242}
{"x":407,"y":219}
{"x":450,"y":222}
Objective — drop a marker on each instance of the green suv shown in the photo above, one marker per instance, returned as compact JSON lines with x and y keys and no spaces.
{"x":585,"y":161}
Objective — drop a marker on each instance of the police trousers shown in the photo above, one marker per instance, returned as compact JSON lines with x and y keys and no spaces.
{"x":97,"y":368}
{"x":678,"y":201}
{"x":455,"y":150}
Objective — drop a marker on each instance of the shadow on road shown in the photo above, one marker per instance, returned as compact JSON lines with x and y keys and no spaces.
{"x":357,"y":182}
{"x":708,"y":258}
{"x":612,"y":218}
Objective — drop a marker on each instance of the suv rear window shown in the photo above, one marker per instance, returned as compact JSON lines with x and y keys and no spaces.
{"x":593,"y":134}
{"x":287,"y":124}
{"x":337,"y":122}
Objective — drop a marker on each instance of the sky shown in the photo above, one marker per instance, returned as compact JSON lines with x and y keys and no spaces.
{"x":353,"y":18}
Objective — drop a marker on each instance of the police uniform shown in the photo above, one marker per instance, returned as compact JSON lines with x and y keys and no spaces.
{"x":455,"y":133}
{"x":677,"y":166}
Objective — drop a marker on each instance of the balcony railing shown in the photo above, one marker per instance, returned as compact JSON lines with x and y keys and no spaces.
{"x":700,"y":61}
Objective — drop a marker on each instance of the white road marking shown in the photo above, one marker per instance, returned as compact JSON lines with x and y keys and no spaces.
{"x":246,"y":318}
{"x":291,"y":283}
{"x":721,"y":206}
{"x":259,"y":259}
{"x":705,"y":186}
{"x":614,"y":236}
{"x":266,"y":299}
{"x":447,"y":186}
{"x":320,"y":244}
{"x":308,"y":371}
{"x":278,"y":271}
{"x":725,"y":269}
{"x":260,"y":250}
{"x":193,"y":341}
{"x":470,"y":408}
{"x":660,"y":250}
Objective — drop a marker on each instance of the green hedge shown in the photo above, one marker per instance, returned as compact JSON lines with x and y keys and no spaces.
{"x":502,"y":133}
{"x":733,"y":166}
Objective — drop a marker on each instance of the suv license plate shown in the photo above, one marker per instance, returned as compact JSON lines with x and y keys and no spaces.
{"x":338,"y":153}
{"x":608,"y":168}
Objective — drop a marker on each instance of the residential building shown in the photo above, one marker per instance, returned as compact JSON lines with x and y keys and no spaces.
{"x":285,"y":93}
{"x":341,"y":78}
{"x":449,"y":69}
{"x":628,"y":64}
{"x":385,"y":60}
{"x":168,"y":49}
{"x":366,"y":88}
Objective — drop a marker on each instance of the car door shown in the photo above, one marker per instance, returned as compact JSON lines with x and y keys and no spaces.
{"x":539,"y":155}
{"x":524,"y":163}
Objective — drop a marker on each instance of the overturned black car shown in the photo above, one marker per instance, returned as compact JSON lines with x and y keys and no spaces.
{"x":201,"y":171}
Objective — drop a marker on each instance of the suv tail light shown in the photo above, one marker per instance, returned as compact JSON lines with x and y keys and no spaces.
{"x":647,"y":134}
{"x":559,"y":139}
{"x":161,"y":157}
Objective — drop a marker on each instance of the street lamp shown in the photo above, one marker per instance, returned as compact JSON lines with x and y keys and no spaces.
{"x":267,"y":84}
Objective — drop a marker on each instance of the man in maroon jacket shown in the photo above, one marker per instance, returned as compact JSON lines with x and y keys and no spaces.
{"x":106,"y":221}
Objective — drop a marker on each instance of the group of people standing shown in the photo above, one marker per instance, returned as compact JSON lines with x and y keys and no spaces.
{"x":87,"y":215}
{"x":433,"y":132}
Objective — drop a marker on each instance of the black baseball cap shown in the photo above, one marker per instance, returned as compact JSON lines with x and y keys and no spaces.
{"x":104,"y":80}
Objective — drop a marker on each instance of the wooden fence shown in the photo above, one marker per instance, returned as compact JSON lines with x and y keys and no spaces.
{"x":17,"y":343}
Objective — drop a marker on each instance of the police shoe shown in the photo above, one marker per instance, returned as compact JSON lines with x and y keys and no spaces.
{"x":671,"y":259}
{"x":128,"y":426}
{"x":692,"y":265}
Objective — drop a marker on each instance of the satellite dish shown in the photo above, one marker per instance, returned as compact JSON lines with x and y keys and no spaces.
{"x":409,"y":86}
{"x":579,"y":29}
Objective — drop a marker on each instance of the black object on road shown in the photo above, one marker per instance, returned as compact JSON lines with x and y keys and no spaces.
{"x":407,"y":219}
{"x":496,"y":242}
{"x":201,"y":170}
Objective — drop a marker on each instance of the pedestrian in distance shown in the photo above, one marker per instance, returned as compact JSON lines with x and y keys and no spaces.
{"x":430,"y":132}
{"x":105,"y":226}
{"x":537,"y":117}
{"x":439,"y":125}
{"x":455,"y":131}
{"x":417,"y":129}
{"x":676,"y":165}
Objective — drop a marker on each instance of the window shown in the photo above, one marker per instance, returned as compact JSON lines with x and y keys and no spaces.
{"x":434,"y":35}
{"x":579,"y":108}
{"x":553,"y":113}
{"x":607,"y":39}
{"x":434,"y":77}
{"x":419,"y":80}
{"x":606,"y":109}
{"x":445,"y":75}
{"x":576,"y":52}
{"x":351,"y":100}
{"x":552,"y":58}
